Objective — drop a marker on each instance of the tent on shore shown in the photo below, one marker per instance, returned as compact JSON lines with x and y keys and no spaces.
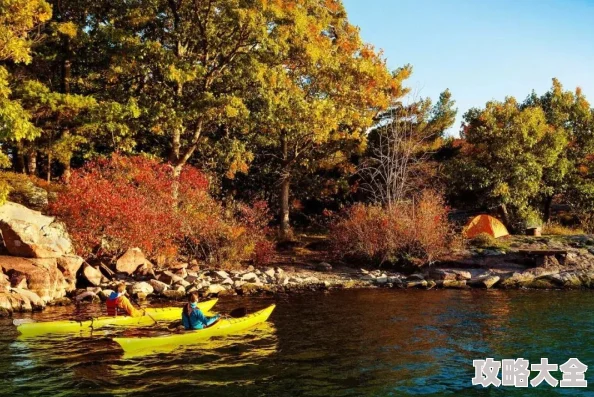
{"x":485,"y":224}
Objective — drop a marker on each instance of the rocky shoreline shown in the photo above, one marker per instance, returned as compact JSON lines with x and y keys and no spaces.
{"x":38,"y":268}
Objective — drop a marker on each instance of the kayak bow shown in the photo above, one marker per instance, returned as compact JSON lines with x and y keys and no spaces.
{"x":220,"y":328}
{"x":69,"y":326}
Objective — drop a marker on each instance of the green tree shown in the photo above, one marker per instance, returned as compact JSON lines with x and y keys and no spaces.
{"x":568,"y":114}
{"x":17,"y":20}
{"x":189,"y":65}
{"x":70,"y":118}
{"x":507,"y":152}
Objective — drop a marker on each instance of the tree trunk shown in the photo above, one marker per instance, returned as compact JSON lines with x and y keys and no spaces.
{"x":32,"y":162}
{"x":49,"y":166}
{"x":66,"y":66}
{"x":505,"y":214}
{"x":67,"y":171}
{"x":547,"y":209}
{"x":285,"y":225}
{"x":285,"y":185}
{"x":175,"y":185}
{"x":19,"y":159}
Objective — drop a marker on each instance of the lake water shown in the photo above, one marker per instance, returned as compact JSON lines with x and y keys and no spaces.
{"x":340,"y":343}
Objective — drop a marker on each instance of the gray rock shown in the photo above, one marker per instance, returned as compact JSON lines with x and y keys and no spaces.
{"x":381,"y":280}
{"x":270,"y":272}
{"x":31,"y":301}
{"x":250,"y":277}
{"x":323,"y":267}
{"x":215,"y":289}
{"x":142,"y":287}
{"x":222,"y":274}
{"x":516,"y":280}
{"x":69,"y":265}
{"x":92,"y":275}
{"x":87,"y":295}
{"x":441,"y":274}
{"x":192,"y":279}
{"x":169,"y":278}
{"x":227,"y":281}
{"x":462,"y":274}
{"x":131,"y":260}
{"x":454,"y":284}
{"x":417,"y":284}
{"x":158,"y":286}
{"x":484,"y":282}
{"x":30,"y":234}
{"x":174,"y":293}
{"x":415,"y":277}
{"x":185,"y":284}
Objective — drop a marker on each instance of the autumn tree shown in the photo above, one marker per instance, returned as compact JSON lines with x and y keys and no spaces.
{"x":319,"y":93}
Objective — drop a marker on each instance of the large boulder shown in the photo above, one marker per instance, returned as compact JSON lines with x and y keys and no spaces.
{"x":29,"y":234}
{"x":132,"y":260}
{"x":169,"y":278}
{"x":158,"y":286}
{"x":31,"y":301}
{"x":70,"y":265}
{"x":141,"y":288}
{"x":92,"y":275}
{"x":43,"y":276}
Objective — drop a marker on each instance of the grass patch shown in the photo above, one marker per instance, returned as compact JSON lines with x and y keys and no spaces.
{"x":486,"y":241}
{"x":556,"y":229}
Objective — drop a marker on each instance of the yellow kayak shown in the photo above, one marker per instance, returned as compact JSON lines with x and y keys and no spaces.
{"x":69,"y":326}
{"x":220,"y":328}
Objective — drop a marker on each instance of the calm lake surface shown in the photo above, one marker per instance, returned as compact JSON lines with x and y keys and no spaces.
{"x":341,"y":343}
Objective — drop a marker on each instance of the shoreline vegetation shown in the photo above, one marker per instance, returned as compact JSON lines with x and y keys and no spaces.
{"x":182,"y":146}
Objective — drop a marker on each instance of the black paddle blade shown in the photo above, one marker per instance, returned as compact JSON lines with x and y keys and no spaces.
{"x":239,"y":312}
{"x":175,"y":324}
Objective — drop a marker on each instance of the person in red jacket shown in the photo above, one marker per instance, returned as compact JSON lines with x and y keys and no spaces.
{"x":118,"y":304}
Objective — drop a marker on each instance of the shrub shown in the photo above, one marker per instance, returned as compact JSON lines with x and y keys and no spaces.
{"x":483,"y":240}
{"x":24,"y":189}
{"x":112,"y":204}
{"x":407,"y":233}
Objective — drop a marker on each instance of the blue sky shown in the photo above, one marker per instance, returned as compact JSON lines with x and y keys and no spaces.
{"x":483,"y":49}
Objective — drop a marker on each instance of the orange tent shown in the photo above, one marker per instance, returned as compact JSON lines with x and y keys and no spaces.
{"x":485,"y":224}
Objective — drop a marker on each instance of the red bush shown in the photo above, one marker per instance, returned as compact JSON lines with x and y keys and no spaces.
{"x":409,"y":232}
{"x":124,"y":202}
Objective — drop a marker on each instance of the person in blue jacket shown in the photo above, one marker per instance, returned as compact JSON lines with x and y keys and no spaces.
{"x":192,"y":316}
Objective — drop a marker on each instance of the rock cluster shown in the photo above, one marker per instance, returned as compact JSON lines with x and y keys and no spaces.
{"x":37,"y":266}
{"x":181,"y":279}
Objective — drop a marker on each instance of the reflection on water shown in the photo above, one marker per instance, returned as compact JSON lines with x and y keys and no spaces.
{"x":344,"y":343}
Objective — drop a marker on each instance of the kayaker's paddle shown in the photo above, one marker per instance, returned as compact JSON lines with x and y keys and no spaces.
{"x":143,"y":310}
{"x":235,"y":313}
{"x":18,"y":321}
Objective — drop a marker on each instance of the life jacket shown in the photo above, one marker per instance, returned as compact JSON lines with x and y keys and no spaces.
{"x":112,"y":304}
